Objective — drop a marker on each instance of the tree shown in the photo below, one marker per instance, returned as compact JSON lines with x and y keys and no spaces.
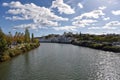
{"x":32,"y":37}
{"x":27,"y":35}
{"x":80,"y":34}
{"x":20,"y":38}
{"x":3,"y":42}
{"x":15,"y":38}
{"x":36,"y":41}
{"x":9,"y":39}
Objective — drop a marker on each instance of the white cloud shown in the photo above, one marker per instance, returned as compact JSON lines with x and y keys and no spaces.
{"x":93,"y":32}
{"x":39,"y":15}
{"x":62,"y":7}
{"x":66,"y":28}
{"x":112,"y":25}
{"x":48,"y":23}
{"x":31,"y":26}
{"x":102,"y":7}
{"x":13,"y":4}
{"x":23,"y":26}
{"x":92,"y":14}
{"x":117,"y":12}
{"x":15,"y":18}
{"x":83,"y":23}
{"x":36,"y":25}
{"x":94,"y":28}
{"x":106,"y":18}
{"x":89,"y":18}
{"x":16,"y":11}
{"x":5,"y":4}
{"x":80,"y":5}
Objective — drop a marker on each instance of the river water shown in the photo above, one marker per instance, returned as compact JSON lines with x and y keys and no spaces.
{"x":52,"y":61}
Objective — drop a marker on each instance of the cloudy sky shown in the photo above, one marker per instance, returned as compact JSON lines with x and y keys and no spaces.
{"x":44,"y":17}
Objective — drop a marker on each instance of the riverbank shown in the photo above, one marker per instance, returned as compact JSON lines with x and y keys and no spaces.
{"x":99,"y":46}
{"x":106,"y":42}
{"x":17,"y":50}
{"x":93,"y":45}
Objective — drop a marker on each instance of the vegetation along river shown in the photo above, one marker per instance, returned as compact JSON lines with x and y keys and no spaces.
{"x":52,"y":61}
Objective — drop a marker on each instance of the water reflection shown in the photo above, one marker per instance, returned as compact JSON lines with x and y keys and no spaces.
{"x":62,"y":62}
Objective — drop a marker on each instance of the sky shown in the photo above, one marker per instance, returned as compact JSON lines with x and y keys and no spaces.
{"x":44,"y":17}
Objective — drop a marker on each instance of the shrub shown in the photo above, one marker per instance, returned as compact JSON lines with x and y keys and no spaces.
{"x":112,"y":48}
{"x":8,"y":54}
{"x":5,"y":56}
{"x":11,"y":53}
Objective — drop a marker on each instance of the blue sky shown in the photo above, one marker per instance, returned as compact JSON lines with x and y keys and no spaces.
{"x":44,"y":17}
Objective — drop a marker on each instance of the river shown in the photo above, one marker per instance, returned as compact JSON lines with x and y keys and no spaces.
{"x":52,"y":61}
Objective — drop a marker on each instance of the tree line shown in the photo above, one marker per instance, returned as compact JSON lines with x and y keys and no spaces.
{"x":7,"y":40}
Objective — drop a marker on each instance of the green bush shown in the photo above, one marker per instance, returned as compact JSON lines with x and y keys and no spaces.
{"x":27,"y":46}
{"x":11,"y":53}
{"x":8,"y":54}
{"x":5,"y":56}
{"x":112,"y":48}
{"x":96,"y":46}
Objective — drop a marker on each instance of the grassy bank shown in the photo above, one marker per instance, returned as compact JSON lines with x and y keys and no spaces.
{"x":17,"y":50}
{"x":100,"y":46}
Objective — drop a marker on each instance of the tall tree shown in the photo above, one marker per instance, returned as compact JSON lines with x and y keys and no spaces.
{"x":3,"y":42}
{"x":9,"y":39}
{"x":20,"y":38}
{"x":15,"y":38}
{"x":27,"y":35}
{"x":32,"y":37}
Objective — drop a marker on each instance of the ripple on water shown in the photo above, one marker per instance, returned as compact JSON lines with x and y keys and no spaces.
{"x":62,"y":62}
{"x":107,"y":67}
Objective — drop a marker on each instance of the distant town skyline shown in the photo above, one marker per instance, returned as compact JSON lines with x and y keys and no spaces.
{"x":44,"y":17}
